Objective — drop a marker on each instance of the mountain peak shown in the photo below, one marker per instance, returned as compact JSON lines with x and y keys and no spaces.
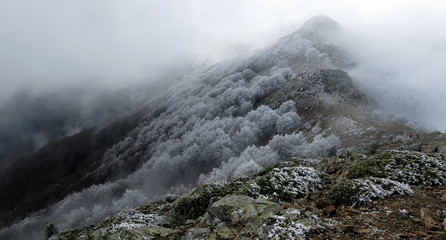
{"x":318,"y":28}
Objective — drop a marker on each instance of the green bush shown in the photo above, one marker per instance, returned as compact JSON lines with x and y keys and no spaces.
{"x":287,"y":183}
{"x":404,"y":166}
{"x":368,"y":168}
{"x":358,"y":191}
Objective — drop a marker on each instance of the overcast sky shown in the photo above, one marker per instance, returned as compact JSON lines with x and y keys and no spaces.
{"x":51,"y":43}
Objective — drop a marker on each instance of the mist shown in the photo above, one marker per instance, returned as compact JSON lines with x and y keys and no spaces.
{"x":100,"y":48}
{"x":49,"y":45}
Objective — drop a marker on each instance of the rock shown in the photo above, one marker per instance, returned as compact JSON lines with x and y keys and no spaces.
{"x":225,"y":233}
{"x":362,"y":231}
{"x":213,"y":236}
{"x":443,"y":198}
{"x":233,"y":210}
{"x":441,"y":213}
{"x":430,"y":194}
{"x":139,"y":233}
{"x":425,"y":216}
{"x":190,"y":222}
{"x":347,"y":228}
{"x":197,"y":234}
{"x":171,"y":198}
{"x":331,"y":170}
{"x":329,"y":211}
{"x":432,"y":226}
{"x":402,"y":236}
{"x":265,"y":207}
{"x":417,"y":220}
{"x":238,"y":210}
{"x":429,"y":222}
{"x":322,"y":204}
{"x":423,"y":234}
{"x":444,"y":224}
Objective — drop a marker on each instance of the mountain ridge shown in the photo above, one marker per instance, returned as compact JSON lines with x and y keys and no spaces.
{"x":232,"y":119}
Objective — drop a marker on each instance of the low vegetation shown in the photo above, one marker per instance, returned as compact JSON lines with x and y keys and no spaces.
{"x":355,"y":192}
{"x":404,"y":166}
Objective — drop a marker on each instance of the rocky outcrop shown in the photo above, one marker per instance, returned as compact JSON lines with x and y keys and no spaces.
{"x":319,"y":201}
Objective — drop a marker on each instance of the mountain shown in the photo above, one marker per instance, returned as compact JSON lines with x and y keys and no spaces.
{"x":293,"y":99}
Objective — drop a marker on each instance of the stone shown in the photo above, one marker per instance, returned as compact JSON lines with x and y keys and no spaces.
{"x":141,"y":233}
{"x":171,"y":198}
{"x":347,"y":228}
{"x":429,"y":222}
{"x":443,"y":198}
{"x":432,"y":226}
{"x":402,"y":236}
{"x":329,"y":211}
{"x":225,"y":233}
{"x":236,"y":210}
{"x":233,"y":210}
{"x":430,"y":194}
{"x":425,"y":216}
{"x":213,"y":236}
{"x":190,"y":222}
{"x":197,"y":233}
{"x":322,"y":204}
{"x":362,"y":231}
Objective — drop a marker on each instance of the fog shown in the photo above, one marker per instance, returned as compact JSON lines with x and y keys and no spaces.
{"x":49,"y":45}
{"x":52,"y":47}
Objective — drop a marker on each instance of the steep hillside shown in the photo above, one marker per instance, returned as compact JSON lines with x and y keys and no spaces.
{"x":60,"y":168}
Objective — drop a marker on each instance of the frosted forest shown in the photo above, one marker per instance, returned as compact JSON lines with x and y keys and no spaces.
{"x":208,"y":127}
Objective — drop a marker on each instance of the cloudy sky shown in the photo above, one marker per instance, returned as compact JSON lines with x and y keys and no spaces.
{"x":49,"y":44}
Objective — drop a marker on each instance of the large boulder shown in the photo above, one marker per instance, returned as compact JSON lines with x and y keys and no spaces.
{"x":238,"y":210}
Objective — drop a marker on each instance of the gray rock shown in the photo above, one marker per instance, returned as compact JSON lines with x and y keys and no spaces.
{"x":197,"y":234}
{"x":233,"y":210}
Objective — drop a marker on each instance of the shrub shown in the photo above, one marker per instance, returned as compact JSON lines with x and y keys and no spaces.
{"x":50,"y":230}
{"x":288,"y":182}
{"x":358,"y":191}
{"x":404,"y":166}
